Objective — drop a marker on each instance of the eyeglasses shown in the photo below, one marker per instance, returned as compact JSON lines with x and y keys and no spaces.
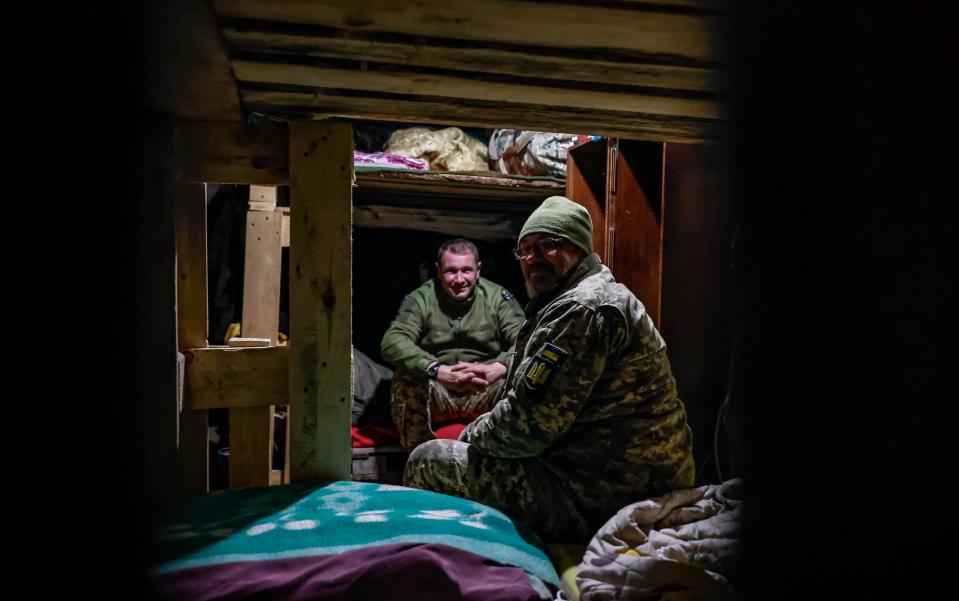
{"x":543,"y":246}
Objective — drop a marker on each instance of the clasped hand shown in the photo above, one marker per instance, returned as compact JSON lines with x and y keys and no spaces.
{"x":469,"y":378}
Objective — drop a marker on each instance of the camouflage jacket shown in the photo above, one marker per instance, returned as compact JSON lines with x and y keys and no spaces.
{"x":592,"y":399}
{"x":431,"y":327}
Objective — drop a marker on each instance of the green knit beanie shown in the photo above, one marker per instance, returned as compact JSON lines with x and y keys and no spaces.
{"x":560,"y":216}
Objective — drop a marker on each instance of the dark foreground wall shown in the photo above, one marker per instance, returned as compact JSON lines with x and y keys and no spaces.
{"x":845,"y":180}
{"x":88,"y":307}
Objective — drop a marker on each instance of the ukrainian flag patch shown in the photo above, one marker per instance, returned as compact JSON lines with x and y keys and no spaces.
{"x":544,"y":365}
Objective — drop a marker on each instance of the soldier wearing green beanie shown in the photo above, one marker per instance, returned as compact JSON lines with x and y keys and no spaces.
{"x":591,"y":420}
{"x":559,"y":216}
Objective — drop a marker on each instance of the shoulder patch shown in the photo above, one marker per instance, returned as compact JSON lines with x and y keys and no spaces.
{"x":507,"y":296}
{"x":546,"y":362}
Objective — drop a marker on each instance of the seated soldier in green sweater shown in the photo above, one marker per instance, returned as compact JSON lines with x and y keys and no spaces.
{"x":450,"y":343}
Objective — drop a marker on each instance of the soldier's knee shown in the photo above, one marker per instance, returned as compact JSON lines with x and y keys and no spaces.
{"x":416,"y":472}
{"x":433,"y":465}
{"x":426,"y":452}
{"x":424,"y":461}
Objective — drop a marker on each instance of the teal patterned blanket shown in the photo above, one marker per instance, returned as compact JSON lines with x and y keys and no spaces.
{"x":306,"y":519}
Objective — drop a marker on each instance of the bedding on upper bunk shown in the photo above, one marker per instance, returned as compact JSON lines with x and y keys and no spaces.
{"x":530,"y":152}
{"x":449,"y":148}
{"x":387,"y":160}
{"x":683,"y":545}
{"x":347,"y":540}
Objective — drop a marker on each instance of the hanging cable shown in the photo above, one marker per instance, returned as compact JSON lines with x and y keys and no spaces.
{"x":719,"y":419}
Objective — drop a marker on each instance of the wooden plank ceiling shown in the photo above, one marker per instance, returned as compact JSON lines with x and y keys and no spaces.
{"x":646,"y":69}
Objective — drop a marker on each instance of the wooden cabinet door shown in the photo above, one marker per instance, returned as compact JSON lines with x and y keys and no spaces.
{"x":586,"y":185}
{"x":634,"y":219}
{"x":620,"y":182}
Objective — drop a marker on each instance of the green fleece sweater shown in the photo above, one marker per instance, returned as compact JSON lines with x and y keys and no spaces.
{"x":431,"y":326}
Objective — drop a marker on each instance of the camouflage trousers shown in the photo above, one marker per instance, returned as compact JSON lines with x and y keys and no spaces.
{"x":525,"y":489}
{"x":418,"y":403}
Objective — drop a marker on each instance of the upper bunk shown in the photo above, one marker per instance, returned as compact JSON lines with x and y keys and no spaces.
{"x":408,"y":178}
{"x":479,"y":205}
{"x":456,"y":184}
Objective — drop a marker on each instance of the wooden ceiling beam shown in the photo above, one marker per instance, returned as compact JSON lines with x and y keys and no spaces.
{"x":186,"y":71}
{"x":677,"y":30}
{"x":469,"y":88}
{"x":464,"y":112}
{"x":521,"y":62}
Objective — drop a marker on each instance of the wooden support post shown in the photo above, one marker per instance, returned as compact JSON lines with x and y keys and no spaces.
{"x":283,"y":213}
{"x":193,"y":464}
{"x":321,"y":386}
{"x":261,"y":276}
{"x":262,"y":198}
{"x":251,"y":446}
{"x":251,"y":429}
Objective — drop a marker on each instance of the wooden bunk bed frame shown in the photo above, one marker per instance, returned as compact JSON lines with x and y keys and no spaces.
{"x":252,"y":97}
{"x":250,"y":375}
{"x":317,"y":363}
